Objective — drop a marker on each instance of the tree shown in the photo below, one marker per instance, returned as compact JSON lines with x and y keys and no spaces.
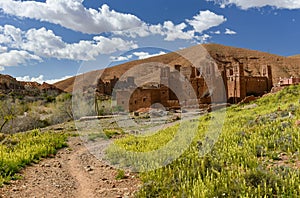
{"x":7,"y":113}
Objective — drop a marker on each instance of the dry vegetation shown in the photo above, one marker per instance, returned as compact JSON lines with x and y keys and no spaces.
{"x":19,"y":114}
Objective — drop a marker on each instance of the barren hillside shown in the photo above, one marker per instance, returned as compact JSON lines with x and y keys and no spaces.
{"x":281,"y":66}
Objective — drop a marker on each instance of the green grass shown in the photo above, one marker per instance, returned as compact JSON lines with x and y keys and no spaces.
{"x":242,"y":163}
{"x":19,"y":150}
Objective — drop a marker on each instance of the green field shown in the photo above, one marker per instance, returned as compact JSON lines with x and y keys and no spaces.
{"x":256,"y":155}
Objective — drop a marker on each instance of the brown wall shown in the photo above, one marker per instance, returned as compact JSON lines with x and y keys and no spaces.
{"x":237,"y":87}
{"x":139,"y":98}
{"x":256,"y":86}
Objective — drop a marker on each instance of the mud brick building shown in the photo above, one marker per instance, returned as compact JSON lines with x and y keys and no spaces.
{"x":189,"y":87}
{"x":288,"y":81}
{"x":240,"y":86}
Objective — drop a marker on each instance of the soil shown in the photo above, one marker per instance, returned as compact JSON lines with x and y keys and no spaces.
{"x":72,"y":172}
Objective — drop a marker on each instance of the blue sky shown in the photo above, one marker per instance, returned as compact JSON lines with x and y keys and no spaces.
{"x":47,"y":40}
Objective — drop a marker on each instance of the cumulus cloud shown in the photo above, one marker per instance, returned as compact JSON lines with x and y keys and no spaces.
{"x":216,"y":32}
{"x":246,"y":4}
{"x":144,"y":55}
{"x":230,"y":32}
{"x":44,"y":43}
{"x":173,"y":32}
{"x":204,"y":38}
{"x":14,"y":58}
{"x":139,"y":55}
{"x":205,"y":20}
{"x":3,"y":49}
{"x":120,"y":58}
{"x":52,"y":81}
{"x":170,"y":31}
{"x":72,"y":14}
{"x":40,"y":79}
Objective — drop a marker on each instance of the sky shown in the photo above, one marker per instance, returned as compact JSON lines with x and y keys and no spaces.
{"x":50,"y":40}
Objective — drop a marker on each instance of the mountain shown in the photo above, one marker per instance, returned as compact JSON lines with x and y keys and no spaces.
{"x":9,"y":86}
{"x":295,"y":56}
{"x":252,"y":60}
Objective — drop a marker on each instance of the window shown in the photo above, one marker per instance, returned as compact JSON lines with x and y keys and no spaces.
{"x":144,"y":99}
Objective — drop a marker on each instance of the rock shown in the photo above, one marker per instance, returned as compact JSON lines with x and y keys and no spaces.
{"x":284,"y":125}
{"x":297,"y":123}
{"x":57,"y":164}
{"x":248,"y":99}
{"x":89,"y":168}
{"x":251,"y":106}
{"x":14,"y":189}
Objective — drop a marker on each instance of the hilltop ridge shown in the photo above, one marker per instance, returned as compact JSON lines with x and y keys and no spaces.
{"x":11,"y":86}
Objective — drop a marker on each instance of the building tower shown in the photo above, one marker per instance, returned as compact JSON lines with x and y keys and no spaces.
{"x":236,"y":83}
{"x":164,"y":83}
{"x":267,"y":72}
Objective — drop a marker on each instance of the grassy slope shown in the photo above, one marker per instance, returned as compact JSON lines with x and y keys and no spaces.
{"x":245,"y":162}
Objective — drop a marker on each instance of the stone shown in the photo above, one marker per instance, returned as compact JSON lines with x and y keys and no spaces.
{"x":297,"y":123}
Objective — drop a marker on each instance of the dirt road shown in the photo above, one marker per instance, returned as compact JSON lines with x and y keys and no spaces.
{"x":72,"y":172}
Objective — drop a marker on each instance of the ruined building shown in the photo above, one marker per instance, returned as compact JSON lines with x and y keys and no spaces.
{"x":288,"y":81}
{"x":189,"y":87}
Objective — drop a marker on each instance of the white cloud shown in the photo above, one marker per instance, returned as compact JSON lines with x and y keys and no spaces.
{"x":217,"y":32}
{"x":44,"y":43}
{"x":170,"y":31}
{"x":14,"y":58}
{"x":52,"y":81}
{"x":72,"y":14}
{"x":230,"y":32}
{"x":120,"y":58}
{"x":205,"y":37}
{"x":246,"y":4}
{"x":173,"y":32}
{"x":3,"y":49}
{"x":144,"y":55}
{"x":205,"y":20}
{"x":139,"y":55}
{"x":40,"y":79}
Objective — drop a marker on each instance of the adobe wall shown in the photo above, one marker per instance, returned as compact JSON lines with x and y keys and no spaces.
{"x":139,"y":98}
{"x":256,"y":86}
{"x":289,"y":81}
{"x":237,"y":87}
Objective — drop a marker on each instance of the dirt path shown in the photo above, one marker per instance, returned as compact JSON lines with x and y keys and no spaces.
{"x":72,"y":172}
